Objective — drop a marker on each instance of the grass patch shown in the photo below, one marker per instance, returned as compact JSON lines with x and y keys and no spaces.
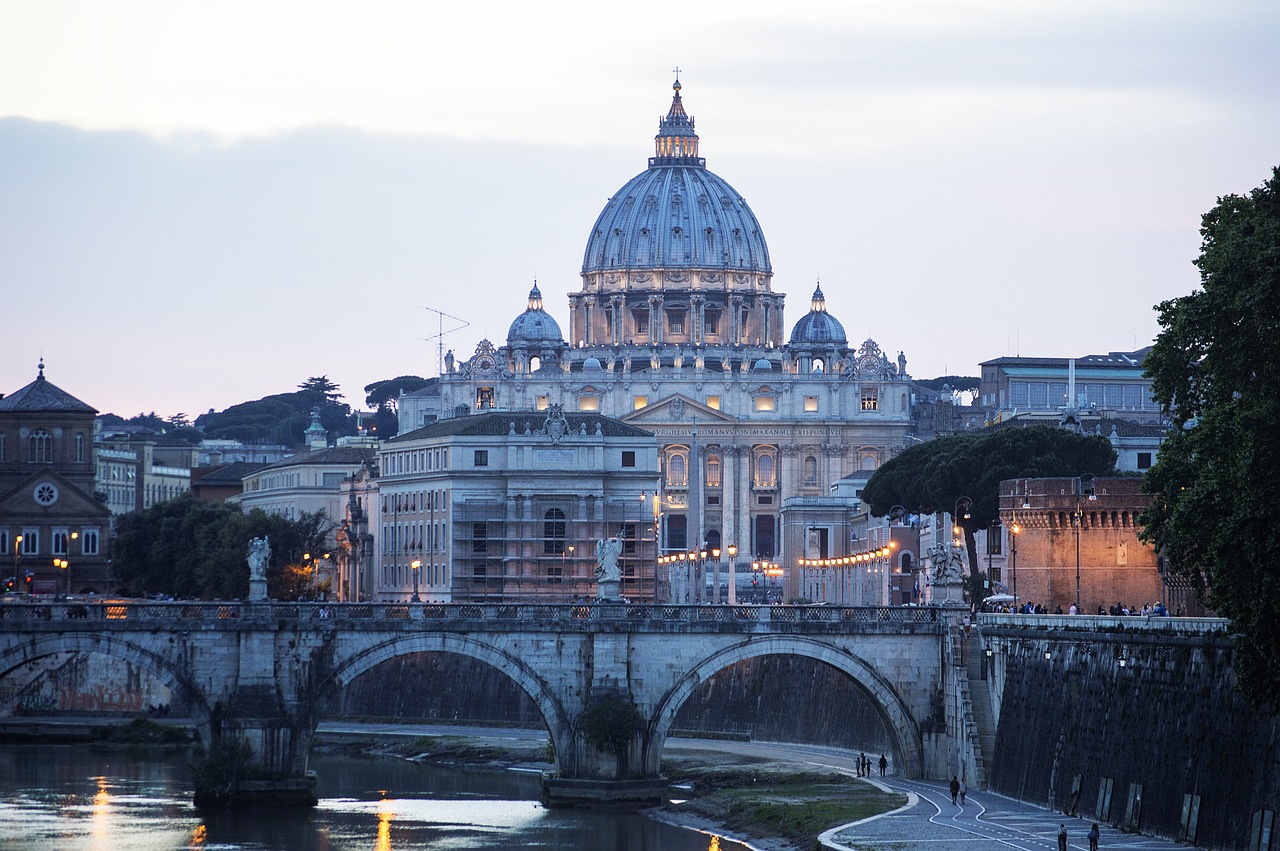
{"x":793,"y":805}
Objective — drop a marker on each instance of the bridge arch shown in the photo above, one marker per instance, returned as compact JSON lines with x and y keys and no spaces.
{"x":155,"y":663}
{"x":348,"y":668}
{"x":894,"y":712}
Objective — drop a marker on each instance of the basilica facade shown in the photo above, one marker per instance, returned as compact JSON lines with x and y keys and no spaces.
{"x":677,"y":329}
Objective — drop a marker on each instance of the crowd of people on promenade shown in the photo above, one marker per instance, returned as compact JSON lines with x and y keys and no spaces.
{"x":1118,"y":610}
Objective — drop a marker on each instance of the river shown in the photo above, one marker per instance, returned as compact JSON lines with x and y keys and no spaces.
{"x":88,"y":798}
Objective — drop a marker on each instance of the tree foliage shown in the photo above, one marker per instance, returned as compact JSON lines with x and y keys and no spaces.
{"x":282,"y":417}
{"x":932,"y":477}
{"x":1215,"y":368}
{"x":186,"y":548}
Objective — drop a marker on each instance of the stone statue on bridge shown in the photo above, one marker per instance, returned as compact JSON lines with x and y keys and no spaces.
{"x":608,"y":574}
{"x":259,"y":555}
{"x":948,"y":567}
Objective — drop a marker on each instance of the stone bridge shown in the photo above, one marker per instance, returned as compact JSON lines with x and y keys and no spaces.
{"x":266,"y":672}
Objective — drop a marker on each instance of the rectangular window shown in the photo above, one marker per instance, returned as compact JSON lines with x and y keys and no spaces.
{"x":1132,"y":397}
{"x":713,"y":499}
{"x":995,"y":538}
{"x":810,"y":404}
{"x":677,"y":530}
{"x":1039,"y":395}
{"x":713,"y":402}
{"x":675,"y":321}
{"x":588,"y":403}
{"x":4,"y":542}
{"x":1144,"y":460}
{"x":1018,"y":394}
{"x":2,"y":447}
{"x":484,"y":398}
{"x":479,"y":538}
{"x":870,"y":399}
{"x":482,"y":458}
{"x":639,"y":402}
{"x":765,"y":403}
{"x":542,"y":403}
{"x":628,"y":458}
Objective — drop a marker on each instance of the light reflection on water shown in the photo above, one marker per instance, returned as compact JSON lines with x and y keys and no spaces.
{"x":81,"y":798}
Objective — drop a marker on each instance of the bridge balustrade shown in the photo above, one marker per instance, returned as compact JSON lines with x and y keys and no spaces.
{"x":1105,"y":623}
{"x":531,"y":613}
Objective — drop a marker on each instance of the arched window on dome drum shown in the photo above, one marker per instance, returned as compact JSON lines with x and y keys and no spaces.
{"x":810,"y":471}
{"x":41,"y":446}
{"x":535,"y":363}
{"x":675,"y":321}
{"x":711,"y":320}
{"x":640,"y":319}
{"x":553,"y":532}
{"x":677,"y":471}
{"x":818,"y":365}
{"x":765,"y":471}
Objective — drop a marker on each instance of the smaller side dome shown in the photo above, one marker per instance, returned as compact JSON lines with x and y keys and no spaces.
{"x":762,"y":365}
{"x":592,"y":364}
{"x":535,"y":326}
{"x":817,"y":327}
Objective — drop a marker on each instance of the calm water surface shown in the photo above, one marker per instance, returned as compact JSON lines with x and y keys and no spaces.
{"x":83,"y":798}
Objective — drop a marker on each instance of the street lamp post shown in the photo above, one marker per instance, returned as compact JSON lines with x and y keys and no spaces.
{"x":960,"y":530}
{"x":17,"y":543}
{"x":416,"y":565}
{"x":715,"y":573}
{"x":1014,"y":531}
{"x":732,"y":551}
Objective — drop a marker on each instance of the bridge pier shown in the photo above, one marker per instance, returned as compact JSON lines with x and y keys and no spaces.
{"x":256,"y":754}
{"x":606,"y":764}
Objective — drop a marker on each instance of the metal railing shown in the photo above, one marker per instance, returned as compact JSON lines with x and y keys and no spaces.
{"x":1105,"y":623}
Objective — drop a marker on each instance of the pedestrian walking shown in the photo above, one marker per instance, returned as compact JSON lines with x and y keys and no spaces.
{"x":964,"y":788}
{"x":884,"y":763}
{"x":955,"y":788}
{"x":1093,"y":838}
{"x":1062,"y":837}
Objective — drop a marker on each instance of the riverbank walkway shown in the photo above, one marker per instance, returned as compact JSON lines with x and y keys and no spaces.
{"x":930,"y":822}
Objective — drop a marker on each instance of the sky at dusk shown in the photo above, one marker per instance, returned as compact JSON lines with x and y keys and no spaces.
{"x":207,"y":202}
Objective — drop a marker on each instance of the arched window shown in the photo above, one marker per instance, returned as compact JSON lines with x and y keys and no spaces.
{"x":818,"y":365}
{"x":41,"y":447}
{"x":765,"y":471}
{"x":713,"y":471}
{"x":535,"y":363}
{"x":677,"y":471}
{"x":810,"y":471}
{"x":713,"y":539}
{"x":553,"y":532}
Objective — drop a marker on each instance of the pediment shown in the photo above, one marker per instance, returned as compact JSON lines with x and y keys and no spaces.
{"x":676,"y":409}
{"x":20,"y":500}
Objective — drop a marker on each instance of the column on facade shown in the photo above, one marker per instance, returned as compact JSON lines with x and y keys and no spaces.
{"x":654,"y":319}
{"x":697,"y":304}
{"x":615,"y":325}
{"x":735,"y":319}
{"x":742,"y":499}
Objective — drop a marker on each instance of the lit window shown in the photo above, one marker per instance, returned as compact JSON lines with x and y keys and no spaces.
{"x":870,"y":399}
{"x":677,"y":471}
{"x":765,"y":403}
{"x":713,"y":402}
{"x":589,"y":403}
{"x":713,"y":471}
{"x":542,"y":403}
{"x":765,"y":471}
{"x":640,"y":402}
{"x":484,"y":398}
{"x":810,"y":404}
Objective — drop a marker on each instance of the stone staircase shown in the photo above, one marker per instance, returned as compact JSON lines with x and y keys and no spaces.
{"x":980,"y":702}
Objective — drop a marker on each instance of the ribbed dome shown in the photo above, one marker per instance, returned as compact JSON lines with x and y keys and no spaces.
{"x":676,"y":214}
{"x":535,"y":325}
{"x":817,"y":327}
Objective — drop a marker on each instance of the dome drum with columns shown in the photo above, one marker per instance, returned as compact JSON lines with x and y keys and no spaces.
{"x":676,"y":329}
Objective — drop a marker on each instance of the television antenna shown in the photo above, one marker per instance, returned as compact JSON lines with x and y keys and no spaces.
{"x":439,"y":336}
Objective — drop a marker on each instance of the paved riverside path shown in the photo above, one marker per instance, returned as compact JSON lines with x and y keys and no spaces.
{"x":930,"y":822}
